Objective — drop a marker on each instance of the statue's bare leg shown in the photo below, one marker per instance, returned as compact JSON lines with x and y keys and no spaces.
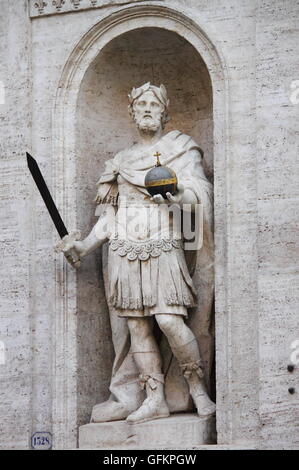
{"x":185,"y":348}
{"x":148,"y":360}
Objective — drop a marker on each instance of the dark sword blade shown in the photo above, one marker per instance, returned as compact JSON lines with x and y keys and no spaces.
{"x":45,"y":194}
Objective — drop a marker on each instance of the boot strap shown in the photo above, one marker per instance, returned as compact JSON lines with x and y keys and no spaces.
{"x":191,"y":367}
{"x":151,"y":380}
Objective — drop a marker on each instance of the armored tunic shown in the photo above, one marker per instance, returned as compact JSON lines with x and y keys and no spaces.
{"x":147,"y":270}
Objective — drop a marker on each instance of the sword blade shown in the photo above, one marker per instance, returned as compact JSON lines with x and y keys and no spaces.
{"x":45,"y":194}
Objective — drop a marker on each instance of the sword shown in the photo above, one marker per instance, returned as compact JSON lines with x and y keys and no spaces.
{"x":67,"y":238}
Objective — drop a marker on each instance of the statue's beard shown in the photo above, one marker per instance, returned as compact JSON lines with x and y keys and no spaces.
{"x":148,"y":125}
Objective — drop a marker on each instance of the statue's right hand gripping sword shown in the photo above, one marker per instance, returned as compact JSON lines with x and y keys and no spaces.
{"x":66,"y":244}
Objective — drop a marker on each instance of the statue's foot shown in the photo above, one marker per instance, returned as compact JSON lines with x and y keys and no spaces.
{"x":109,"y":411}
{"x":204,"y":405}
{"x":150,"y":409}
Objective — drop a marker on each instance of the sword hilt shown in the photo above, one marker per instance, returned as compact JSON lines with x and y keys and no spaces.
{"x":74,"y":259}
{"x":66,"y":246}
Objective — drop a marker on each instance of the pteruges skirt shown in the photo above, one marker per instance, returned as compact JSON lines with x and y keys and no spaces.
{"x":149,"y":279}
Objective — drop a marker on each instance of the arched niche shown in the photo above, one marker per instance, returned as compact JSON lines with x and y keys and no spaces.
{"x":103,"y":128}
{"x":91,"y":124}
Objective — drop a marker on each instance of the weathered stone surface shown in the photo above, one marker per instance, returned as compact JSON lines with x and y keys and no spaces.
{"x":176,"y":431}
{"x":15,"y":319}
{"x":278,"y":242}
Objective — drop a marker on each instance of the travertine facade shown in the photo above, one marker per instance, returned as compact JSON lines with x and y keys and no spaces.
{"x":61,"y":68}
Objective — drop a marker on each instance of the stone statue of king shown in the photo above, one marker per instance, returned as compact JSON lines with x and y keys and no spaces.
{"x":149,"y":272}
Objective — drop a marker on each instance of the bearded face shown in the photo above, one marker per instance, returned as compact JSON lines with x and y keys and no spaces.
{"x":148,"y":112}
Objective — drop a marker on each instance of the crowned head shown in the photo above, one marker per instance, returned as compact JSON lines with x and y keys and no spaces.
{"x":148,"y":105}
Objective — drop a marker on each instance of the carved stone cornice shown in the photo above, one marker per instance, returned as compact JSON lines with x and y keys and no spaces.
{"x":52,"y":7}
{"x":58,"y":4}
{"x":76,"y":3}
{"x":40,"y":6}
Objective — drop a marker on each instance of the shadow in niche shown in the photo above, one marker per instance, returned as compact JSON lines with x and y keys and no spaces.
{"x":103,"y":128}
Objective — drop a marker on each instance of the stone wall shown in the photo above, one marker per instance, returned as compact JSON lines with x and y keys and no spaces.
{"x":277,"y":163}
{"x":17,"y":317}
{"x":43,"y":324}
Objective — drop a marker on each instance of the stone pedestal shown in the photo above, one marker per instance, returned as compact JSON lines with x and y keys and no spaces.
{"x":176,"y":432}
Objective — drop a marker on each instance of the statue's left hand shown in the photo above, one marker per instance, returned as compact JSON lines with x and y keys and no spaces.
{"x":176,"y":198}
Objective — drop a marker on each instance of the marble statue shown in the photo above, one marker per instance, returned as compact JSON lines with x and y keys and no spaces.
{"x":148,"y":275}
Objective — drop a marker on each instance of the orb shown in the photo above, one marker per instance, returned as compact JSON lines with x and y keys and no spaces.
{"x":160,"y":180}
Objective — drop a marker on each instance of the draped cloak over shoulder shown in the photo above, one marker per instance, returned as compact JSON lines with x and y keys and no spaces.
{"x":182,"y":154}
{"x":174,"y":148}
